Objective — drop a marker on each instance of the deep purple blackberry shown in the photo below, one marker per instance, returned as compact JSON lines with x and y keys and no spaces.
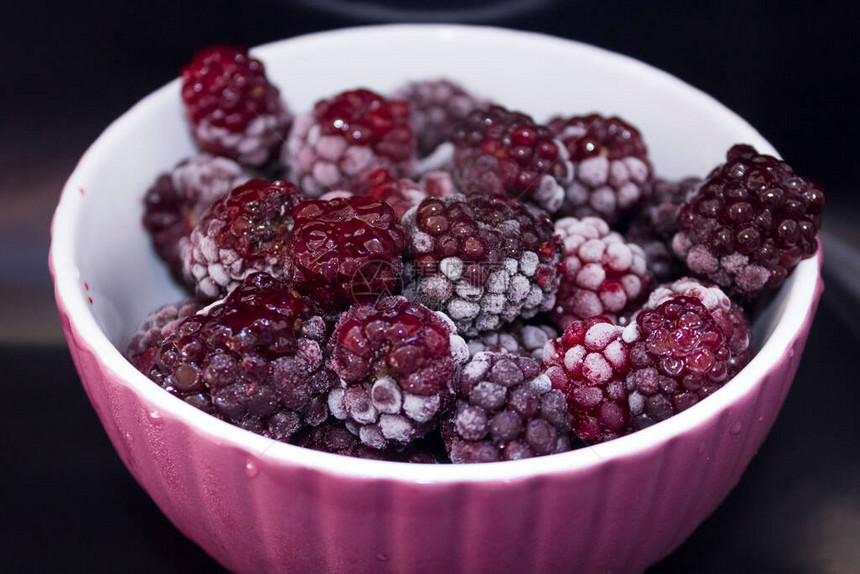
{"x":242,"y":233}
{"x":500,"y":152}
{"x":255,"y":360}
{"x":517,"y":339}
{"x":689,"y":341}
{"x":750,"y":223}
{"x":402,"y":194}
{"x":505,"y":411}
{"x":232,"y":108}
{"x":177,"y":200}
{"x":603,"y":274}
{"x":350,"y":134}
{"x":397,"y":361}
{"x":656,"y":222}
{"x":612,"y":171}
{"x":144,"y":343}
{"x":589,"y":363}
{"x":343,"y":251}
{"x":334,"y":437}
{"x":484,"y":261}
{"x":437,"y":106}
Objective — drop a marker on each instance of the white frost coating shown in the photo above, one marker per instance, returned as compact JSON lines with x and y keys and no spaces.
{"x":600,"y":335}
{"x":596,"y":369}
{"x":335,"y":403}
{"x":572,"y":357}
{"x":396,"y":428}
{"x":540,"y":384}
{"x":451,"y":267}
{"x":528,"y":263}
{"x":459,"y":349}
{"x":593,"y":171}
{"x":420,"y":408}
{"x":386,"y":395}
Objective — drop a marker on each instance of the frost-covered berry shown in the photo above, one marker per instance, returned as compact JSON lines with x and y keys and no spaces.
{"x":517,"y":338}
{"x":506,"y":410}
{"x":500,"y":152}
{"x":484,"y":261}
{"x":232,"y":108}
{"x":157,"y":326}
{"x":343,"y":251}
{"x":350,"y":134}
{"x":749,"y":224}
{"x":656,"y":222}
{"x":437,"y":107}
{"x":402,"y":194}
{"x":611,"y":168}
{"x":242,"y":233}
{"x":603,"y":274}
{"x":255,"y":359}
{"x":397,"y":362}
{"x":334,"y":437}
{"x":178,"y":198}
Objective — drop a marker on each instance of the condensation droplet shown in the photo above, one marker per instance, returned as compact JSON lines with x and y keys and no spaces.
{"x":791,"y":352}
{"x":761,"y":419}
{"x":736,"y":428}
{"x":155,"y":417}
{"x":382,"y":557}
{"x":702,"y":447}
{"x":251,"y":469}
{"x":128,"y":436}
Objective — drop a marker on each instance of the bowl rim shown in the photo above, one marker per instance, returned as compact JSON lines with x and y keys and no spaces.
{"x":78,"y":317}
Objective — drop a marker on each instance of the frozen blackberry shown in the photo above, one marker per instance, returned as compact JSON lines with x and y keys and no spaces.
{"x":500,"y":152}
{"x":437,"y":107}
{"x":517,"y":339}
{"x":484,"y":261}
{"x":333,"y":437}
{"x":604,"y":275}
{"x":343,"y":251}
{"x":402,"y":194}
{"x":244,"y":232}
{"x":255,"y":359}
{"x":656,"y":222}
{"x":612,"y":171}
{"x":232,"y":108}
{"x":590,"y":363}
{"x":505,"y":411}
{"x":397,"y":361}
{"x":749,"y":224}
{"x":690,"y":340}
{"x":177,"y":200}
{"x":350,"y":134}
{"x":144,"y":343}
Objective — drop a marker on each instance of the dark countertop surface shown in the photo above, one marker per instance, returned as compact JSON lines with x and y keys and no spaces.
{"x":790,"y":69}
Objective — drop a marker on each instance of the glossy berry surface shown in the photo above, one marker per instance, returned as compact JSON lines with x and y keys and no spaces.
{"x":750,"y":223}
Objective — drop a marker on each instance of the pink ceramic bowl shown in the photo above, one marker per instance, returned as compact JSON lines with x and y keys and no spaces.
{"x":256,"y":505}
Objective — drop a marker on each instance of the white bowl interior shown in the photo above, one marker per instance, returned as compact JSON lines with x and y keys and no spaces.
{"x":101,"y":251}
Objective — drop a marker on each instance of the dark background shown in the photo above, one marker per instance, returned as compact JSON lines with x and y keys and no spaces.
{"x":791,"y":69}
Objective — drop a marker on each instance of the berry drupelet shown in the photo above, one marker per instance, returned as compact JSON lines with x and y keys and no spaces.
{"x":500,"y":152}
{"x":177,"y":200}
{"x":397,"y":362}
{"x":157,"y":326}
{"x":345,"y":250}
{"x":231,"y":106}
{"x":611,"y":168}
{"x":350,"y":134}
{"x":242,"y":233}
{"x":484,"y":261}
{"x":603,"y":274}
{"x":517,"y":339}
{"x":402,"y":194}
{"x":254,"y":359}
{"x":749,"y":224}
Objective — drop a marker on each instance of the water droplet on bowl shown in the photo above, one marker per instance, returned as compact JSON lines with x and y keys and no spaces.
{"x":251,"y":469}
{"x":155,"y":417}
{"x":128,"y":436}
{"x":736,"y":428}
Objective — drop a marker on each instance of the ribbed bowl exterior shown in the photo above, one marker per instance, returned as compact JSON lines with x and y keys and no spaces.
{"x":253,"y":513}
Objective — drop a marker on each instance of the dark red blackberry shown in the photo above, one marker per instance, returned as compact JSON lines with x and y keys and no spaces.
{"x":402,"y":194}
{"x":517,"y":339}
{"x":242,"y":233}
{"x":750,"y":223}
{"x":500,"y":152}
{"x":344,"y":251}
{"x":177,"y":200}
{"x":656,"y":222}
{"x":603,"y":275}
{"x":255,"y":359}
{"x":397,"y":361}
{"x":333,"y":437}
{"x":686,"y":347}
{"x":612,"y":171}
{"x":231,"y":106}
{"x":144,"y":343}
{"x":484,"y":261}
{"x":438,"y":106}
{"x":346,"y":136}
{"x":589,"y":363}
{"x":505,"y":411}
